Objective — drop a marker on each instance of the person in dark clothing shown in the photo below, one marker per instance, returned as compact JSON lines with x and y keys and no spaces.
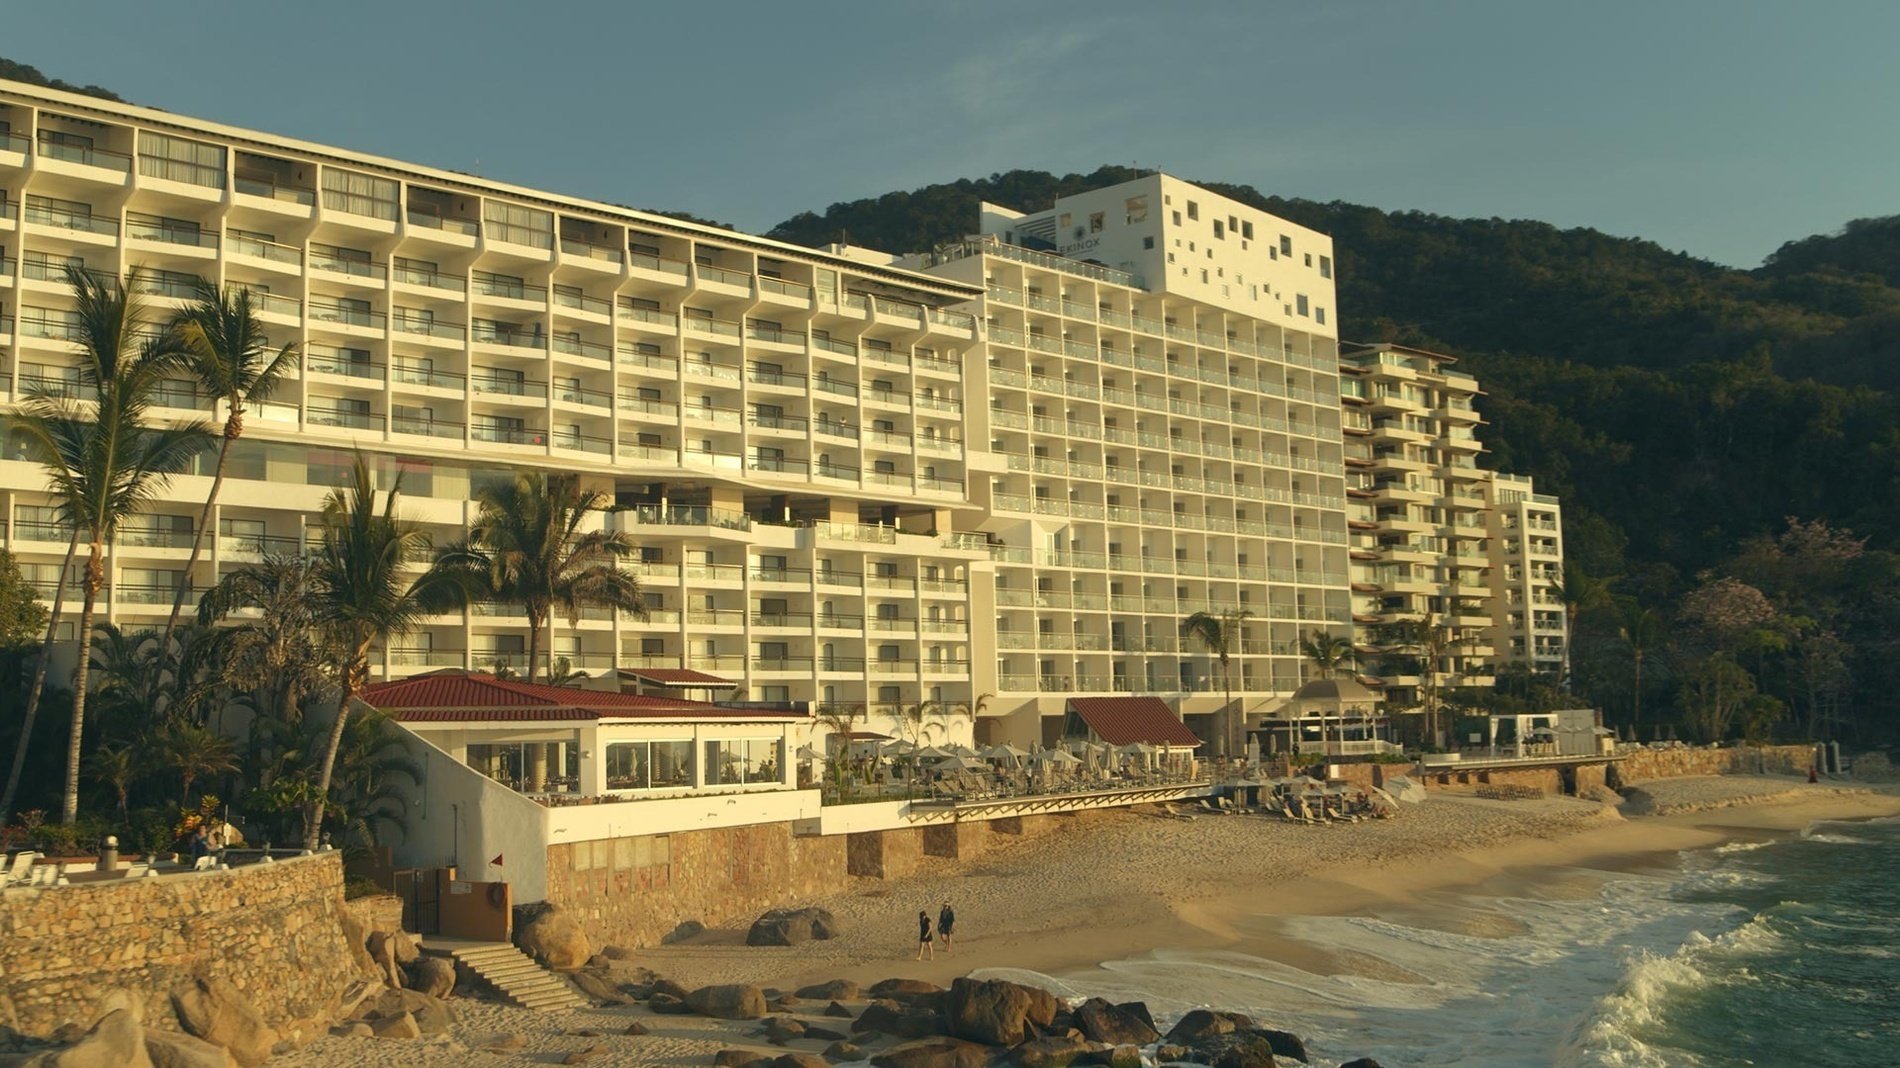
{"x":200,"y":842}
{"x":924,"y":942}
{"x":946,"y":925}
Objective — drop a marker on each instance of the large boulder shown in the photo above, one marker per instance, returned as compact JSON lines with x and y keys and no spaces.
{"x":1245,"y":1048}
{"x":605,"y":991}
{"x":997,"y":1011}
{"x":116,"y":1039}
{"x":789,"y":927}
{"x":800,"y":1060}
{"x":214,"y":1010}
{"x":434,"y":976}
{"x":686,"y":929}
{"x":401,"y":1025}
{"x":431,"y":1015}
{"x":938,"y":1052}
{"x":1100,"y":1021}
{"x":1049,"y":1051}
{"x":741,"y":1058}
{"x":1206,"y":1023}
{"x":1284,"y":1043}
{"x":835,"y":990}
{"x":356,"y":937}
{"x":668,"y":1005}
{"x":555,"y":939}
{"x":170,"y":1049}
{"x":728,"y":1001}
{"x":902,"y":989}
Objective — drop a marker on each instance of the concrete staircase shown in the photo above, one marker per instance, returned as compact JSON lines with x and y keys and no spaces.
{"x":512,"y":973}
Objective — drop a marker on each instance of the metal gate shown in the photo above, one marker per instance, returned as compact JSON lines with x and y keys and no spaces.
{"x":421,"y":911}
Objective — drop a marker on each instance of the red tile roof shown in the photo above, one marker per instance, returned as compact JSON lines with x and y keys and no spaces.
{"x":1127,"y":720}
{"x":477,"y":698}
{"x":686,"y":677}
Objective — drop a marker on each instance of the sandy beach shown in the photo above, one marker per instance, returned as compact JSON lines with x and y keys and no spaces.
{"x":1105,"y":886}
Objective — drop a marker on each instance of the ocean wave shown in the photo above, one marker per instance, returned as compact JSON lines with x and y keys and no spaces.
{"x":1740,"y":847}
{"x":1834,"y":839}
{"x":1612,"y":1035}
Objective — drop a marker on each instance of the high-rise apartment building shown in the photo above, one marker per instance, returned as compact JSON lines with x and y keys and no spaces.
{"x":1163,"y":429}
{"x":1445,"y":565}
{"x":782,"y":430}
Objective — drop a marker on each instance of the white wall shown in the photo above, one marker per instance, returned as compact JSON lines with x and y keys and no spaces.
{"x":467,"y":819}
{"x":582,"y":823}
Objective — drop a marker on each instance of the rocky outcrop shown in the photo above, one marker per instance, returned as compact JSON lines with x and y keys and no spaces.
{"x":217,"y":1012}
{"x":169,"y":1049}
{"x":434,"y":976}
{"x":555,"y":939}
{"x":1100,"y":1021}
{"x":835,"y":990}
{"x":937,"y":1052}
{"x":996,"y":1011}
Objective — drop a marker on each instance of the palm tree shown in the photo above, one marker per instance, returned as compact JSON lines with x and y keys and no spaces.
{"x":1579,"y":591}
{"x":1640,"y":630}
{"x":103,"y":462}
{"x":233,"y":360}
{"x":528,"y":546}
{"x":1430,"y":642}
{"x":1217,"y":634}
{"x":38,"y":685}
{"x":375,"y":777}
{"x":193,"y":752}
{"x":117,"y":767}
{"x":361,"y":596}
{"x":278,"y":656}
{"x":1326,"y":651}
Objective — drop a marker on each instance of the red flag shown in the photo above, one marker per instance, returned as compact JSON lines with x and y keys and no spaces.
{"x":497,"y":861}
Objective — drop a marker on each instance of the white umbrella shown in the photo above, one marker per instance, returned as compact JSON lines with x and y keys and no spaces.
{"x":961,"y":763}
{"x":1004,"y":752}
{"x":933,"y":753}
{"x":961,"y":750}
{"x":897,"y":748}
{"x":806,"y":752}
{"x":1056,"y":756}
{"x":1139,"y":749}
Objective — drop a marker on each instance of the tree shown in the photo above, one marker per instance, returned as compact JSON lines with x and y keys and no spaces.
{"x":376,"y":775}
{"x":362,"y":594}
{"x":1217,"y":634}
{"x":193,"y":752}
{"x":1580,"y":592}
{"x":115,"y":767}
{"x":1326,"y":652}
{"x":104,"y":463}
{"x":279,"y":653}
{"x":232,"y":359}
{"x":528,"y":544}
{"x":1713,"y":693}
{"x":1430,"y":642}
{"x":1641,"y":632}
{"x":21,"y":614}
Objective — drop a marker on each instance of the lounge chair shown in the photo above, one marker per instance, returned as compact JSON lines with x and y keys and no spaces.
{"x":21,"y":870}
{"x":208,"y":862}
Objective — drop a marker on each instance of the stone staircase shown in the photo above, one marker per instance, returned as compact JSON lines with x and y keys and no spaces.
{"x":513,"y":974}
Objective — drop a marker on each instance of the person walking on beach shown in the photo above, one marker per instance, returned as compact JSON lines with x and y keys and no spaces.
{"x":946,"y":926}
{"x":924,"y":941}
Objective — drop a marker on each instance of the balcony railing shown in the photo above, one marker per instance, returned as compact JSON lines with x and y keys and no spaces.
{"x":174,"y":232}
{"x":52,"y":148}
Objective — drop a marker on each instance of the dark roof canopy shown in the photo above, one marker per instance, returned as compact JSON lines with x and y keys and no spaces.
{"x":1127,"y":720}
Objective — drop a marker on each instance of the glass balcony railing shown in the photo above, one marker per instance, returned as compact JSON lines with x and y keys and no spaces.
{"x":51,"y":148}
{"x":84,"y":222}
{"x":169,"y":231}
{"x":245,"y":245}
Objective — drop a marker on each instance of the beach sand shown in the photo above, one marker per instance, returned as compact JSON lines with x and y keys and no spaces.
{"x":1109,"y":885}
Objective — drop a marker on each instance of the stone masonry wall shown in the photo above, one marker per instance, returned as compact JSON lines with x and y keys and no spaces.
{"x":631,"y":891}
{"x":1738,"y":760}
{"x":273,"y":930}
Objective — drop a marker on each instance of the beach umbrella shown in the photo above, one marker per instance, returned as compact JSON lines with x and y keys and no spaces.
{"x":933,"y":753}
{"x":1004,"y":752}
{"x":1055,"y":756}
{"x":961,"y":763}
{"x":897,"y":748}
{"x":1404,"y":789}
{"x":961,"y":750}
{"x":1138,"y":749}
{"x":806,"y":752}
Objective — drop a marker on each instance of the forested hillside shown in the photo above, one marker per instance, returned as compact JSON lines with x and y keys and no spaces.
{"x":1685,"y":411}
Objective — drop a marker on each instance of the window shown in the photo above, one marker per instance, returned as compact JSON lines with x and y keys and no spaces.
{"x":1194,"y":210}
{"x":1286,"y":245}
{"x":1319,"y":315}
{"x":1220,"y":232}
{"x":359,"y":194}
{"x":1096,"y":222}
{"x":519,"y":225}
{"x":1137,"y":208}
{"x":1147,"y":243}
{"x":1176,"y":216}
{"x":1309,"y":259}
{"x":1246,"y":230}
{"x":178,"y":160}
{"x":649,"y":765}
{"x":1300,"y":301}
{"x":1325,"y":266}
{"x":1063,"y":220}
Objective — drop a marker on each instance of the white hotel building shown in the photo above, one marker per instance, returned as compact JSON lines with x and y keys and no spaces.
{"x":1006,"y":469}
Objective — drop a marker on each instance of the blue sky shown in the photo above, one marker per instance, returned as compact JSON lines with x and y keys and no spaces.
{"x":1722,"y":129}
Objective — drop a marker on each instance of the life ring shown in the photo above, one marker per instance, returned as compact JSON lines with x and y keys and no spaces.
{"x":498,"y":895}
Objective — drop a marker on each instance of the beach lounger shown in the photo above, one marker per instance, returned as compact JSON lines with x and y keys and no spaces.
{"x":205,"y":863}
{"x":21,"y":870}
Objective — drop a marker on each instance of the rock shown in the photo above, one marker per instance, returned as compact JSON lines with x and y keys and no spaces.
{"x":1363,"y":1062}
{"x":1140,"y":1009}
{"x":801,"y":1060}
{"x":1284,"y":1043}
{"x":506,"y":1042}
{"x":668,"y":1005}
{"x":782,"y":1003}
{"x":728,"y":1001}
{"x":843,"y":1051}
{"x":635,"y":1028}
{"x":686,"y":930}
{"x":616,"y":952}
{"x":1100,"y":1021}
{"x":880,"y":1015}
{"x":996,"y":1011}
{"x":356,"y":936}
{"x":402,"y":1025}
{"x":1201,"y":1024}
{"x":434,"y":976}
{"x":1112,"y":1057}
{"x":782,"y":1029}
{"x":903,"y":988}
{"x":587,"y":1032}
{"x":1245,"y":1048}
{"x":824,"y":1034}
{"x":169,"y":1049}
{"x":669,"y":987}
{"x":555,"y":939}
{"x":1167,"y":1054}
{"x":740,"y":1058}
{"x":383,"y":949}
{"x":939,"y":1052}
{"x":835,"y":990}
{"x":601,"y":990}
{"x":1049,"y":1051}
{"x":837,"y":1011}
{"x":582,"y":1056}
{"x":352,"y":1029}
{"x":432,"y":1015}
{"x":789,"y":927}
{"x":116,"y":1039}
{"x":214,"y":1010}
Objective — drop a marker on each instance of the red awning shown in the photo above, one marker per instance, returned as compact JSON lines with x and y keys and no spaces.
{"x":1127,"y":720}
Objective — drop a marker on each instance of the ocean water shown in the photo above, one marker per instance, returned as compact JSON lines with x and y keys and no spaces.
{"x":1780,"y":952}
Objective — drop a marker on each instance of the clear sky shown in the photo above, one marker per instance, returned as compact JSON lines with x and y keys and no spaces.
{"x":1719,"y":128}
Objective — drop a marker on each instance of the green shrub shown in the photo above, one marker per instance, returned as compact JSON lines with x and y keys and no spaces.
{"x":361,"y":886}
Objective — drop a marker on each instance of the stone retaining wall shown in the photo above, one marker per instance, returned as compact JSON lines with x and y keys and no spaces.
{"x":274,"y":931}
{"x":1739,"y":760}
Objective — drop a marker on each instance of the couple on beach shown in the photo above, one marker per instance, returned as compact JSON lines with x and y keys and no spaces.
{"x":946,"y":928}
